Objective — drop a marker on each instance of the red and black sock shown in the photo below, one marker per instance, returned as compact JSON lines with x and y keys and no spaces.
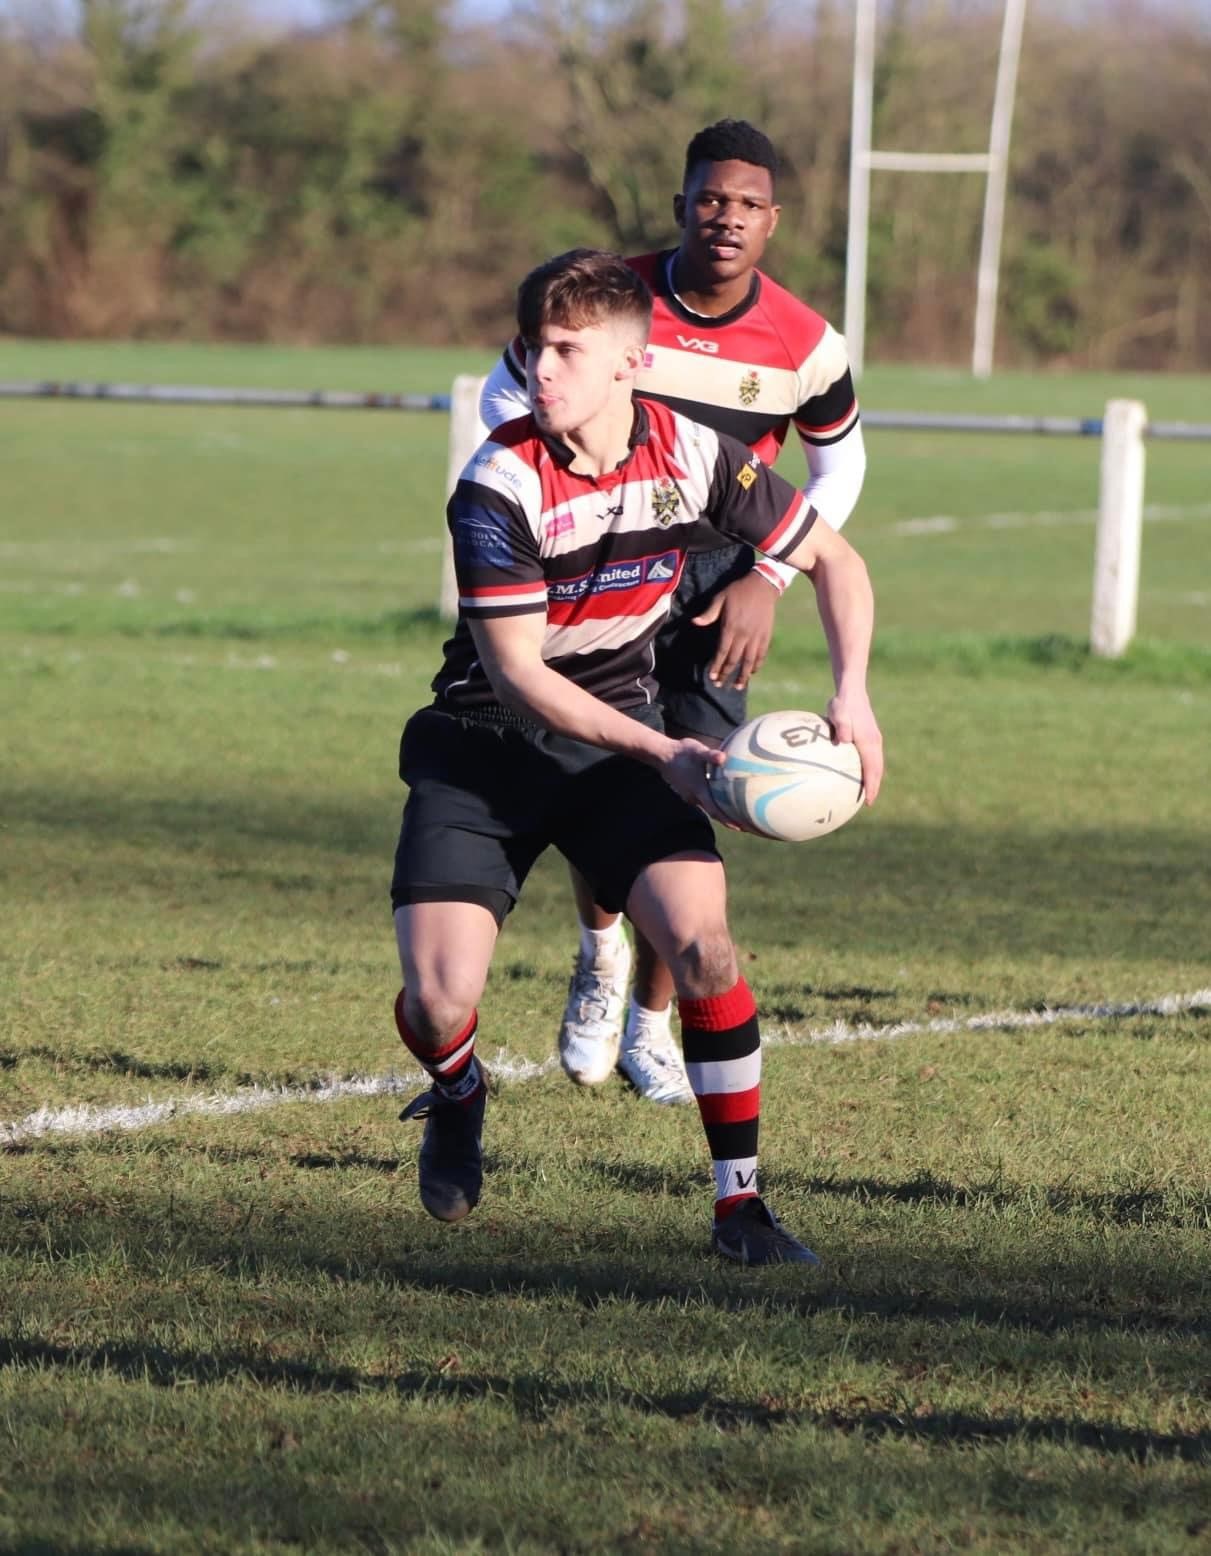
{"x":456,"y":1072}
{"x":722,"y":1045}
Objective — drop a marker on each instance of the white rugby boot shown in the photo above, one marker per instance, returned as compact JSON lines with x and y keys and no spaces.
{"x":592,"y":1019}
{"x":650,"y":1058}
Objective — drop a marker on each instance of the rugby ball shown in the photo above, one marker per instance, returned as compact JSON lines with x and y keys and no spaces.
{"x":784,"y":778}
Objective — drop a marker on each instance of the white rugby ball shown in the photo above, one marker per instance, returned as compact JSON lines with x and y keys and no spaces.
{"x":784,"y":778}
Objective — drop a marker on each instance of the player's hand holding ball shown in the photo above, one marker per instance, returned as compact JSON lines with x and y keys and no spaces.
{"x":794,"y":775}
{"x":689,"y":771}
{"x":853,"y":721}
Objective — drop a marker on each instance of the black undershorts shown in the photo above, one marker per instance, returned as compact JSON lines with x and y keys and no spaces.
{"x":691,"y":704}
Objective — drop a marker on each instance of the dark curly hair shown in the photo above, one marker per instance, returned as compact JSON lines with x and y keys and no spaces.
{"x":731,"y":140}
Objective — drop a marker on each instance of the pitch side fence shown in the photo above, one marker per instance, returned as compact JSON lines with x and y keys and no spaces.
{"x":1122,"y":428}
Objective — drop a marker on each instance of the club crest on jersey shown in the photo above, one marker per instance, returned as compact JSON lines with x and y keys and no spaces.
{"x":750,"y":388}
{"x":666,"y":500}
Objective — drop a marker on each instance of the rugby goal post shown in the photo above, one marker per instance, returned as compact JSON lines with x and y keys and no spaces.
{"x":1120,"y":518}
{"x":994,"y":163}
{"x":1119,"y":523}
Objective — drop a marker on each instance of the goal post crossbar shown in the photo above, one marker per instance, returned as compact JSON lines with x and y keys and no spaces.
{"x":926,"y":161}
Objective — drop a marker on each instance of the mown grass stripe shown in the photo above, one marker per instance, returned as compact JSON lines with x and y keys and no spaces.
{"x":1148,"y":660}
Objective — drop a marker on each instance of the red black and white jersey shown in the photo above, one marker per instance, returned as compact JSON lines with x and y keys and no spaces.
{"x":600,"y":557}
{"x":766,"y":365}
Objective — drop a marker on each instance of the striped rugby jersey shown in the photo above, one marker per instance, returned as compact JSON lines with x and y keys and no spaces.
{"x":601,"y":556}
{"x":769,"y":363}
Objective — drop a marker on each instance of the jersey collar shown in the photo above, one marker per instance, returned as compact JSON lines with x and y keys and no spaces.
{"x":641,"y":431}
{"x":709,"y":321}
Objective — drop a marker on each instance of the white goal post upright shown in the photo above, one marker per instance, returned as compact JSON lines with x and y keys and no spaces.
{"x":994,"y":164}
{"x":1116,"y":561}
{"x":994,"y":188}
{"x":860,"y":118}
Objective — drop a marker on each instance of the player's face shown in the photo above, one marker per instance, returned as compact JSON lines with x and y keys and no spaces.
{"x":573,"y":376}
{"x":727,"y":214}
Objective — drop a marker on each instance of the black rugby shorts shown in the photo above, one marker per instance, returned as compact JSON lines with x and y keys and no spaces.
{"x":486,"y":799}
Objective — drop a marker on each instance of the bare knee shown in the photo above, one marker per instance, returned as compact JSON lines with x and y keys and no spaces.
{"x":679,"y":903}
{"x":445,"y":949}
{"x":435,"y":1013}
{"x":706,"y":965}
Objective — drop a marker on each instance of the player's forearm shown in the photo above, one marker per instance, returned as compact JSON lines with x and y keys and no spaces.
{"x":846,"y":604}
{"x":550,"y":699}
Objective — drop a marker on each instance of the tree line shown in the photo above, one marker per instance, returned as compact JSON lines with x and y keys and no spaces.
{"x":171,"y":172}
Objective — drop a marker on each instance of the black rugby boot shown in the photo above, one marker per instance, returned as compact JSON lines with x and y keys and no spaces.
{"x":451,"y":1164}
{"x":752,"y":1234}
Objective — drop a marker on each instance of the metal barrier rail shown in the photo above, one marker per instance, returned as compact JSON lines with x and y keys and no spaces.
{"x":355,"y":400}
{"x":198,"y":394}
{"x":1048,"y":426}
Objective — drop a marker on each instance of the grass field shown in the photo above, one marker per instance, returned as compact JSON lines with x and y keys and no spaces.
{"x":227,"y":1324}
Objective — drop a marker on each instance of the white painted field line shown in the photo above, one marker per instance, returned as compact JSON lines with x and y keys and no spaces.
{"x":998,"y":1021}
{"x":248,"y":1099}
{"x":945,"y":524}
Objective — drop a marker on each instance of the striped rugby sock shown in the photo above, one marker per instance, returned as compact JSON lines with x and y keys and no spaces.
{"x":722,"y":1047}
{"x":455,"y":1070}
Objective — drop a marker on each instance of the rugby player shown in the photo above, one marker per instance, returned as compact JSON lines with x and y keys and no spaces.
{"x":570,"y":528}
